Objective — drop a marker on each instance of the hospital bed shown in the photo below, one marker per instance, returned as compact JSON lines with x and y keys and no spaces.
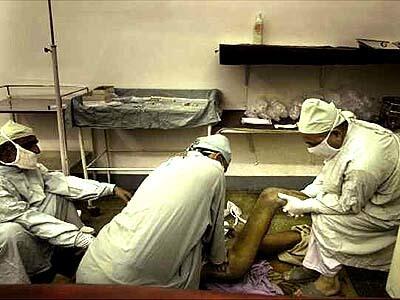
{"x":162,"y":109}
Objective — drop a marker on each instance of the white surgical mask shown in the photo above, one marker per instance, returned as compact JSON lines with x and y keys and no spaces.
{"x":323,"y":149}
{"x":25,"y":159}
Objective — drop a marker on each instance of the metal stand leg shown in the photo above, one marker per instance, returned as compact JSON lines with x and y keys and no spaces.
{"x":94,"y":211}
{"x":83,"y":160}
{"x":66,"y":146}
{"x":83,"y":156}
{"x":107,"y":155}
{"x":252,"y":148}
{"x":94,"y":145}
{"x":246,"y":84}
{"x":13,"y":115}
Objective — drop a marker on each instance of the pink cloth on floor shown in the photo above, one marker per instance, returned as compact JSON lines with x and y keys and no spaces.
{"x":254,"y":282}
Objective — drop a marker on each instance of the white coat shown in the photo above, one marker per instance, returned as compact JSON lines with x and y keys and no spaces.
{"x":158,"y":239}
{"x":358,"y":193}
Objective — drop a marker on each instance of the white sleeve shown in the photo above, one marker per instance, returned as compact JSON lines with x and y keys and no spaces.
{"x":295,"y":206}
{"x":49,"y":228}
{"x":216,"y":247}
{"x":315,"y":188}
{"x":86,"y":189}
{"x":357,"y":188}
{"x":44,"y":226}
{"x":75,"y":188}
{"x":11,"y":205}
{"x":328,"y":204}
{"x":13,"y":208}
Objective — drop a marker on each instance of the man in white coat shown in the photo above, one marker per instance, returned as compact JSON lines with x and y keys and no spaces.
{"x":174,"y":217}
{"x":36,"y":213}
{"x":354,"y":201}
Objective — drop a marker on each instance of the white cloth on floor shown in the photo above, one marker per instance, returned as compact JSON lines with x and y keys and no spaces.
{"x":296,"y":254}
{"x":159,"y":236}
{"x":358,"y":191}
{"x":235,"y":211}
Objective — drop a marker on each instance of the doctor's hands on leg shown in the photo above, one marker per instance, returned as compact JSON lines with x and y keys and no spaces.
{"x":296,"y":207}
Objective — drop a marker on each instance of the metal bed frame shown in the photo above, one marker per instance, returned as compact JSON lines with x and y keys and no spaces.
{"x":27,"y":104}
{"x":89,"y":166}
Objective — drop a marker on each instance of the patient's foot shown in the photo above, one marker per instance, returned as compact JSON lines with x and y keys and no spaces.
{"x":324,"y":286}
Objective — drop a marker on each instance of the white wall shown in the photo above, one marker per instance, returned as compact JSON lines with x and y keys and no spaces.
{"x":170,"y":44}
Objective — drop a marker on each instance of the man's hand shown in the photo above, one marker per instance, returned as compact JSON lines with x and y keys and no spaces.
{"x":122,"y":194}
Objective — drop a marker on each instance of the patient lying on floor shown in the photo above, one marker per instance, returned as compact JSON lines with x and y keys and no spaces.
{"x":253,"y":239}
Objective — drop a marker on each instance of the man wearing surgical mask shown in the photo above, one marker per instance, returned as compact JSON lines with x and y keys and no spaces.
{"x":354,"y":201}
{"x":36,"y":212}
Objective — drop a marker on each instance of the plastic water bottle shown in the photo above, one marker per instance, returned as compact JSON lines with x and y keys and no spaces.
{"x":258,"y":30}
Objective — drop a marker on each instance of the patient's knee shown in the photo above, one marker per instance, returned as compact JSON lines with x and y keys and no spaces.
{"x":10,"y":231}
{"x":270,"y":192}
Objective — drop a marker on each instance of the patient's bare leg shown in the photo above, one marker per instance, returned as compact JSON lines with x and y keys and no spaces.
{"x":277,"y":242}
{"x":246,"y":245}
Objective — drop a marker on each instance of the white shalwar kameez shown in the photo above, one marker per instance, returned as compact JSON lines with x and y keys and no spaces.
{"x":33,"y":207}
{"x":158,"y":239}
{"x":358,"y":196}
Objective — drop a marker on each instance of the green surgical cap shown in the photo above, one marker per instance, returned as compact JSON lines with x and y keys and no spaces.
{"x":14,"y":131}
{"x":318,"y":116}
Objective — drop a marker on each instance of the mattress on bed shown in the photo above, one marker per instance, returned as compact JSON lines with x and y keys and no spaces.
{"x":148,"y":109}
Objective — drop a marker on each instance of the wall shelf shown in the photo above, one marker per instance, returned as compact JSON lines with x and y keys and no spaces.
{"x":249,"y":54}
{"x":231,"y":123}
{"x":233,"y":130}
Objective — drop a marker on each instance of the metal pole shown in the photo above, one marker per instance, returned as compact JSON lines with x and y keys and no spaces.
{"x":60,"y":115}
{"x":83,"y":156}
{"x":107,"y":155}
{"x":246,"y":84}
{"x":10,"y":103}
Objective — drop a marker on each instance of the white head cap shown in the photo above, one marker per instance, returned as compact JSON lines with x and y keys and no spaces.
{"x":318,"y":116}
{"x":216,"y":142}
{"x":14,"y":131}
